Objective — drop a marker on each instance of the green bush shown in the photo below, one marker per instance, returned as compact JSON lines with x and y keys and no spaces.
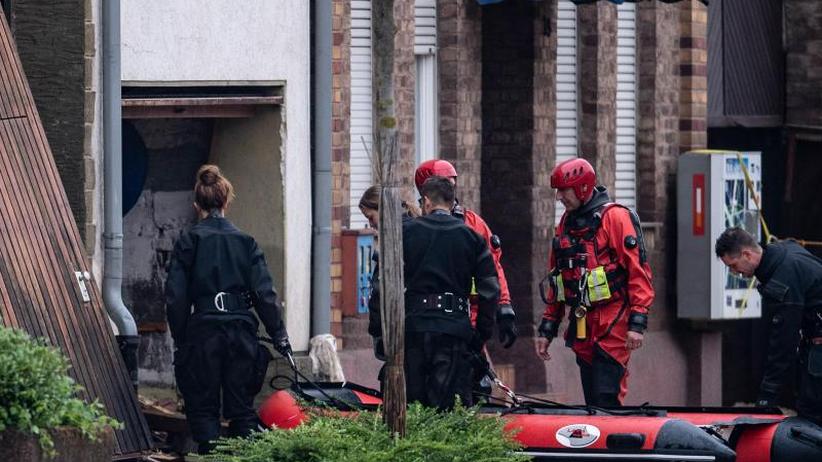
{"x":37,"y":395}
{"x":457,"y":436}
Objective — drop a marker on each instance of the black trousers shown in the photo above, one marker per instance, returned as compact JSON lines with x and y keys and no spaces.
{"x":437,"y":369}
{"x":601,"y":380}
{"x":218,"y":359}
{"x":809,"y":399}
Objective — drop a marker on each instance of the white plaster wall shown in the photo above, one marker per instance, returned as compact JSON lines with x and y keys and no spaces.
{"x":222,"y":42}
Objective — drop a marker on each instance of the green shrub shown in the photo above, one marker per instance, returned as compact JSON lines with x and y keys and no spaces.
{"x":457,"y":436}
{"x":37,"y":395}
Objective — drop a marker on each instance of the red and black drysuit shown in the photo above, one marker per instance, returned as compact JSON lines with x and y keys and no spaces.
{"x":506,"y":317}
{"x":598,"y":265}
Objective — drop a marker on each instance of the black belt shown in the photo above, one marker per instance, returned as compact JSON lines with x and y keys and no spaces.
{"x":224,"y":302}
{"x":447,"y":302}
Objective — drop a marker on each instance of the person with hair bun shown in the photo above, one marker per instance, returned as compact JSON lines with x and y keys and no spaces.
{"x":216,"y":277}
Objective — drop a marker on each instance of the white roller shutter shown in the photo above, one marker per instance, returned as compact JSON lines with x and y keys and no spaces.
{"x":625,"y":191}
{"x":426,"y":110}
{"x":361,"y":124}
{"x":425,"y":27}
{"x":566,"y":132}
{"x":426,"y":120}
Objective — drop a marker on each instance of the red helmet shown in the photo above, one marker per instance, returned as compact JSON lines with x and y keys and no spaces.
{"x":575,"y":173}
{"x":434,"y":167}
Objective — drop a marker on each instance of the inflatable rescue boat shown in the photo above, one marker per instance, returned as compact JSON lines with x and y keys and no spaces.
{"x":551,"y":431}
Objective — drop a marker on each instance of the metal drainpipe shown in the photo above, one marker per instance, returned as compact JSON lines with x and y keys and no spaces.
{"x":321,"y":169}
{"x":128,"y":340}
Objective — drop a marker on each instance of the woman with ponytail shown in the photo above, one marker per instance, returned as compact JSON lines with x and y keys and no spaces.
{"x":217,"y":276}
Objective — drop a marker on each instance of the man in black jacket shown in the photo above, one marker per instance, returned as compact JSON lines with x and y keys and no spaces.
{"x":442,"y":256}
{"x":790,"y":281}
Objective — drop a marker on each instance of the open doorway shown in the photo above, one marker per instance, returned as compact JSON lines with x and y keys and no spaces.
{"x":167,"y":135}
{"x":802,"y":211}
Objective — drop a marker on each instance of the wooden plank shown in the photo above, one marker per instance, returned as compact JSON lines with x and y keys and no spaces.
{"x":47,"y":250}
{"x":192,"y":107}
{"x":41,"y":248}
{"x":189,"y":112}
{"x":205,"y":101}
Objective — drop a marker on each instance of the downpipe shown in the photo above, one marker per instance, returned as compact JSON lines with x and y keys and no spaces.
{"x":127,"y":339}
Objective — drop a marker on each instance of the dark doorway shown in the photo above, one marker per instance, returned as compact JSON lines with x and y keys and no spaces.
{"x":802,"y":211}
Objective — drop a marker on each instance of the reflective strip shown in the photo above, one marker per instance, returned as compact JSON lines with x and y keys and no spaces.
{"x":560,"y":287}
{"x":598,"y":288}
{"x":473,"y":287}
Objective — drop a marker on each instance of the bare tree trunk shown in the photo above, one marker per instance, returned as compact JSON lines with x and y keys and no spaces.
{"x":387,"y":152}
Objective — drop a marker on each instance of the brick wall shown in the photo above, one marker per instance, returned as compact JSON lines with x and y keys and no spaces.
{"x":459,"y":34}
{"x":804,"y":66}
{"x":340,"y":149}
{"x":693,"y":68}
{"x":55,"y":40}
{"x":596,"y":54}
{"x":658,"y":106}
{"x":404,"y":81}
{"x":658,"y":143}
{"x":88,"y":229}
{"x":518,"y":134}
{"x":544,"y":154}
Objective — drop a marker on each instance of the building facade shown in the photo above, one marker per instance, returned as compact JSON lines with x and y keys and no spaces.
{"x":519,"y":87}
{"x":504,"y":91}
{"x":201,"y":82}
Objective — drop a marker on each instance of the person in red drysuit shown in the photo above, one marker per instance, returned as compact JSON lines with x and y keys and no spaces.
{"x":599,"y":270}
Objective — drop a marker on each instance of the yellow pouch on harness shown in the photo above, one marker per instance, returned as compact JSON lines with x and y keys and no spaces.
{"x":598,"y":289}
{"x":560,"y":286}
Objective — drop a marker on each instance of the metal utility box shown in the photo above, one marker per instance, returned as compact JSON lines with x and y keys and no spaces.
{"x":357,"y":264}
{"x":712,"y":196}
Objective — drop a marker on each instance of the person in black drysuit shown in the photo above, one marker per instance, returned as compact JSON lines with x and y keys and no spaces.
{"x":370,"y":208}
{"x":217,"y":275}
{"x":441,"y":256}
{"x":790,"y":281}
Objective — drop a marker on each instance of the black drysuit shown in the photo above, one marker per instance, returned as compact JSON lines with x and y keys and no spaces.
{"x":216,"y":335}
{"x":442,"y":258}
{"x":791,"y":286}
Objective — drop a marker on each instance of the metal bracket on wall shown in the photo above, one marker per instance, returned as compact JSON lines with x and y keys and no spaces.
{"x":82,"y":277}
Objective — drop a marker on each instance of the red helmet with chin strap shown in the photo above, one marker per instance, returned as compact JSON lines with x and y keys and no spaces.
{"x":433,"y":167}
{"x":575,"y":173}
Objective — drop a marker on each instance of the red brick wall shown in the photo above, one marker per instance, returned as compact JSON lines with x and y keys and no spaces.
{"x":693,"y":68}
{"x":518,"y":134}
{"x":459,"y":34}
{"x":340,"y":143}
{"x":404,"y":84}
{"x":596,"y":54}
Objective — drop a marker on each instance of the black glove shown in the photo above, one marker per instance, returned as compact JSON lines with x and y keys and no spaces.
{"x":507,"y":325}
{"x":283,"y":347}
{"x":548,"y":329}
